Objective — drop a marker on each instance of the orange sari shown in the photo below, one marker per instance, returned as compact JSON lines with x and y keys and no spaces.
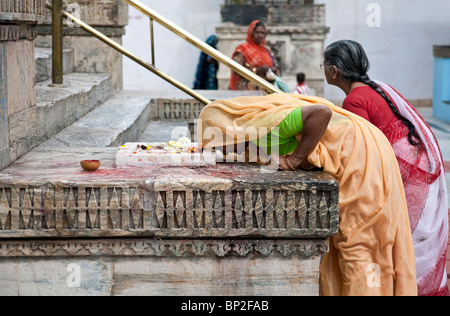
{"x":373,"y":253}
{"x":255,"y":55}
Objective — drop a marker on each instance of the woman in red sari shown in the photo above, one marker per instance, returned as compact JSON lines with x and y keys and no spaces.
{"x":254,"y":55}
{"x":417,"y":151}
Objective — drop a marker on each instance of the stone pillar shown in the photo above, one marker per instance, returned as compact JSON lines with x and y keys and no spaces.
{"x":90,"y":54}
{"x":296,"y":34}
{"x":18,"y":29}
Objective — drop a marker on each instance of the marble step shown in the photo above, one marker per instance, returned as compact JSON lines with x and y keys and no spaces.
{"x":120,"y":119}
{"x":57,"y":108}
{"x":43,"y":61}
{"x":163,"y":131}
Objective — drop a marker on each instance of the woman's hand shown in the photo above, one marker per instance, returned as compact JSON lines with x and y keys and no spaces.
{"x":277,"y":162}
{"x":284,"y":163}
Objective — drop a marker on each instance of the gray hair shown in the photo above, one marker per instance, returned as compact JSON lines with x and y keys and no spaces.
{"x":352,"y":63}
{"x":349,"y":58}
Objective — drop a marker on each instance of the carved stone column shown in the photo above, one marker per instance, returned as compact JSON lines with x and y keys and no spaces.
{"x":18,"y":29}
{"x":90,"y":54}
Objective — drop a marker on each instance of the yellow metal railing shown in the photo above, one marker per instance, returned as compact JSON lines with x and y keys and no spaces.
{"x":58,"y":13}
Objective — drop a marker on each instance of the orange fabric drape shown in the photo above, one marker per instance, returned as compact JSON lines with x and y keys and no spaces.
{"x":373,"y":253}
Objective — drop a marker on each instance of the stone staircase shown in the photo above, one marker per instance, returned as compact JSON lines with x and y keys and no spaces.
{"x":87,"y":113}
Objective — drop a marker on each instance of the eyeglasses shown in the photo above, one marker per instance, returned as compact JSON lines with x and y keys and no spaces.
{"x":322,"y":66}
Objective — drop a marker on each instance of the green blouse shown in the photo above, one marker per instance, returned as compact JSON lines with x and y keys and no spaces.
{"x":284,"y":135}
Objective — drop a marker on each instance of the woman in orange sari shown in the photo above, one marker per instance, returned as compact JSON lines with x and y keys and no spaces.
{"x":254,"y":55}
{"x":373,"y":253}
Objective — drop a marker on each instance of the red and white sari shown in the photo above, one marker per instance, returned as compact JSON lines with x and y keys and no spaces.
{"x":426,"y":193}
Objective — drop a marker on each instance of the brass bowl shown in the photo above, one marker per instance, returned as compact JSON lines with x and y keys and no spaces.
{"x":90,"y":165}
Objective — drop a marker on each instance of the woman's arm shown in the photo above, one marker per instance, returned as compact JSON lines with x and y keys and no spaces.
{"x":315,"y":122}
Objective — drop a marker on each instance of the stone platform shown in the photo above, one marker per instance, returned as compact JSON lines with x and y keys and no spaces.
{"x":228,"y":229}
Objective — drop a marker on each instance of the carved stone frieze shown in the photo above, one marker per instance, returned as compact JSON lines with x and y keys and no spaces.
{"x":18,"y":19}
{"x":300,"y":13}
{"x":162,"y":248}
{"x":106,"y":13}
{"x":22,"y":10}
{"x":170,"y":209}
{"x":178,"y":110}
{"x":17,"y":32}
{"x":231,"y":209}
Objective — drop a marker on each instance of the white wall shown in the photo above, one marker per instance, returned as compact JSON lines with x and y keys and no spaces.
{"x":174,"y":56}
{"x":400,"y":47}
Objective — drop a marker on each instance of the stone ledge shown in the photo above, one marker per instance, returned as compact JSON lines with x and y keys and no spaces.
{"x":97,"y":12}
{"x":441,"y":51}
{"x":161,"y":231}
{"x":182,"y":208}
{"x":29,"y":11}
{"x":14,"y":32}
{"x":115,"y":32}
{"x":47,"y":195}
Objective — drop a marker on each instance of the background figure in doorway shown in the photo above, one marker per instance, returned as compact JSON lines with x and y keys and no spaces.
{"x":417,"y":151}
{"x":206,"y":75}
{"x":255,"y":56}
{"x":302,"y":87}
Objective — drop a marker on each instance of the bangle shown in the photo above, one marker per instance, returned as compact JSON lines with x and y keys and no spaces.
{"x":288,"y":163}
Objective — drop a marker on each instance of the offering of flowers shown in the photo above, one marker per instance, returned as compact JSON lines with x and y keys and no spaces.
{"x":179,"y":152}
{"x":179,"y":146}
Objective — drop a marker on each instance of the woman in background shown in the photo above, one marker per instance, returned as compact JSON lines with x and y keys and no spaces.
{"x":417,"y":151}
{"x":253,"y":55}
{"x":206,"y":75}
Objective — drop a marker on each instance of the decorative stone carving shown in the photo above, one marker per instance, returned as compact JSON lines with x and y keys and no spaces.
{"x":167,"y":208}
{"x":17,"y":32}
{"x":106,"y":13}
{"x":303,"y":14}
{"x":162,"y":248}
{"x":22,"y":10}
{"x":178,"y":109}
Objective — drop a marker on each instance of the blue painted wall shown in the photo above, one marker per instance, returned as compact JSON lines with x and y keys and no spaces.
{"x":441,"y":95}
